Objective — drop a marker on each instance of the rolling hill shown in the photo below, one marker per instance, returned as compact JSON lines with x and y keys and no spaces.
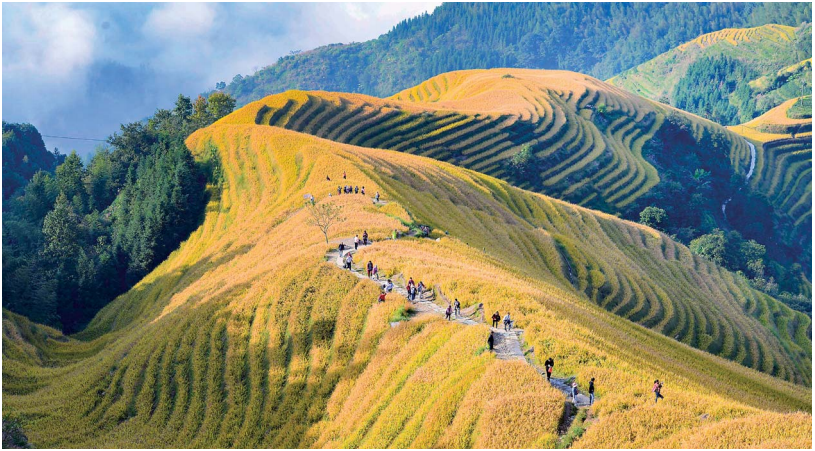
{"x":586,"y":136}
{"x":246,"y":337}
{"x":559,"y":133}
{"x":775,"y":61}
{"x":598,"y":39}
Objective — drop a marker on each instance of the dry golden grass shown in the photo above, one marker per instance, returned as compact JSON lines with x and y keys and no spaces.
{"x":245,"y":337}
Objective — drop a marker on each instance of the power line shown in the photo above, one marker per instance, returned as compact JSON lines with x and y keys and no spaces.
{"x":70,"y":137}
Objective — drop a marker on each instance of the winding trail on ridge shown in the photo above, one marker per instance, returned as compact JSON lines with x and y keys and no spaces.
{"x":508,"y":344}
{"x":749,"y":174}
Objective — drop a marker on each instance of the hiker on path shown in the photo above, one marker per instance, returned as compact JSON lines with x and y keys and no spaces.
{"x":339,"y":190}
{"x":376,"y":272}
{"x":507,"y":322}
{"x":657,"y":391}
{"x":389,"y":286}
{"x":370,"y":269}
{"x":356,"y":242}
{"x":411,"y":283}
{"x":491,"y":341}
{"x":574,"y":392}
{"x":356,"y":189}
{"x":381,"y":297}
{"x":341,"y":247}
{"x":365,"y":237}
{"x":495,"y":318}
{"x":363,"y":190}
{"x":457,"y":308}
{"x":349,"y":260}
{"x":550,"y":364}
{"x":343,"y":175}
{"x":377,"y":196}
{"x":591,"y":391}
{"x":448,"y":312}
{"x":420,"y":290}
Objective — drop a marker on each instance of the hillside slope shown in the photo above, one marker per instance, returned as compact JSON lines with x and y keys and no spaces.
{"x":783,"y":172}
{"x":563,"y":134}
{"x":769,"y":56}
{"x":600,"y":39}
{"x":245,"y":337}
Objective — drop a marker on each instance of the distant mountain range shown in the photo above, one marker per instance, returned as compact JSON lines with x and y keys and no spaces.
{"x":599,"y":39}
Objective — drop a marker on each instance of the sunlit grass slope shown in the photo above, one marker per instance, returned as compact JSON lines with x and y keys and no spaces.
{"x":784,"y":160}
{"x":246,"y":337}
{"x":766,"y":49}
{"x":587,"y":136}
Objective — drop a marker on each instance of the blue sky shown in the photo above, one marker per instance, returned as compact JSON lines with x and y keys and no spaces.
{"x":83,"y":69}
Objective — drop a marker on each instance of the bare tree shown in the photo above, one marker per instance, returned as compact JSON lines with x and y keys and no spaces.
{"x":324,"y":216}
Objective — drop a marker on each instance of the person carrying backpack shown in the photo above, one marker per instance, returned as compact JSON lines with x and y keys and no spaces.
{"x":491,"y":341}
{"x":574,"y":392}
{"x":457,"y":306}
{"x":657,"y":391}
{"x":591,"y":391}
{"x":507,"y":322}
{"x":370,"y":269}
{"x":448,"y":312}
{"x":495,"y":318}
{"x":420,"y":290}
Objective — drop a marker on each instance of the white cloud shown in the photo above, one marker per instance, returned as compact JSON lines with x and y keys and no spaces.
{"x":48,"y":40}
{"x":180,"y":20}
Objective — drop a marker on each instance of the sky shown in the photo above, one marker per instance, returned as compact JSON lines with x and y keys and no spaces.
{"x":80,"y":70}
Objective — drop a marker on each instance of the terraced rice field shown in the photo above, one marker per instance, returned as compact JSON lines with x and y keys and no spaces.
{"x":246,"y":337}
{"x":767,"y":49}
{"x":784,"y":162}
{"x":480,"y":119}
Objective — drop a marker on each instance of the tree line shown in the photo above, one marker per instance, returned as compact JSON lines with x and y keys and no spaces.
{"x":77,"y":236}
{"x":599,"y":39}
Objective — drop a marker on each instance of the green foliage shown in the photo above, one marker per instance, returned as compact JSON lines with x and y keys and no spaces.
{"x":593,"y":38}
{"x":75,"y":240}
{"x":13,"y":435}
{"x":711,"y":246}
{"x":401,"y":313}
{"x":801,"y":109}
{"x":717,"y":88}
{"x":653,"y":217}
{"x":522,"y":161}
{"x":219,"y":105}
{"x":24,"y":154}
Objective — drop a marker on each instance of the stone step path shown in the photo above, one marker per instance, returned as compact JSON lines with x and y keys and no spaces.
{"x":508,"y":345}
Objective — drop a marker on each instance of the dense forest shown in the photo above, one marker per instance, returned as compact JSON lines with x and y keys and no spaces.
{"x":695,"y":179}
{"x":599,"y":39}
{"x":24,"y":154}
{"x":75,"y":238}
{"x":723,"y":89}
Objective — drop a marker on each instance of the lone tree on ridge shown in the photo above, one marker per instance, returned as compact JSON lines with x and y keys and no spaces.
{"x":324,"y":216}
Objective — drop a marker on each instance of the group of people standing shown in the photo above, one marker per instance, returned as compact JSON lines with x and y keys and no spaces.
{"x":348,"y":189}
{"x":496,"y":317}
{"x":454,"y":308}
{"x":415,"y":290}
